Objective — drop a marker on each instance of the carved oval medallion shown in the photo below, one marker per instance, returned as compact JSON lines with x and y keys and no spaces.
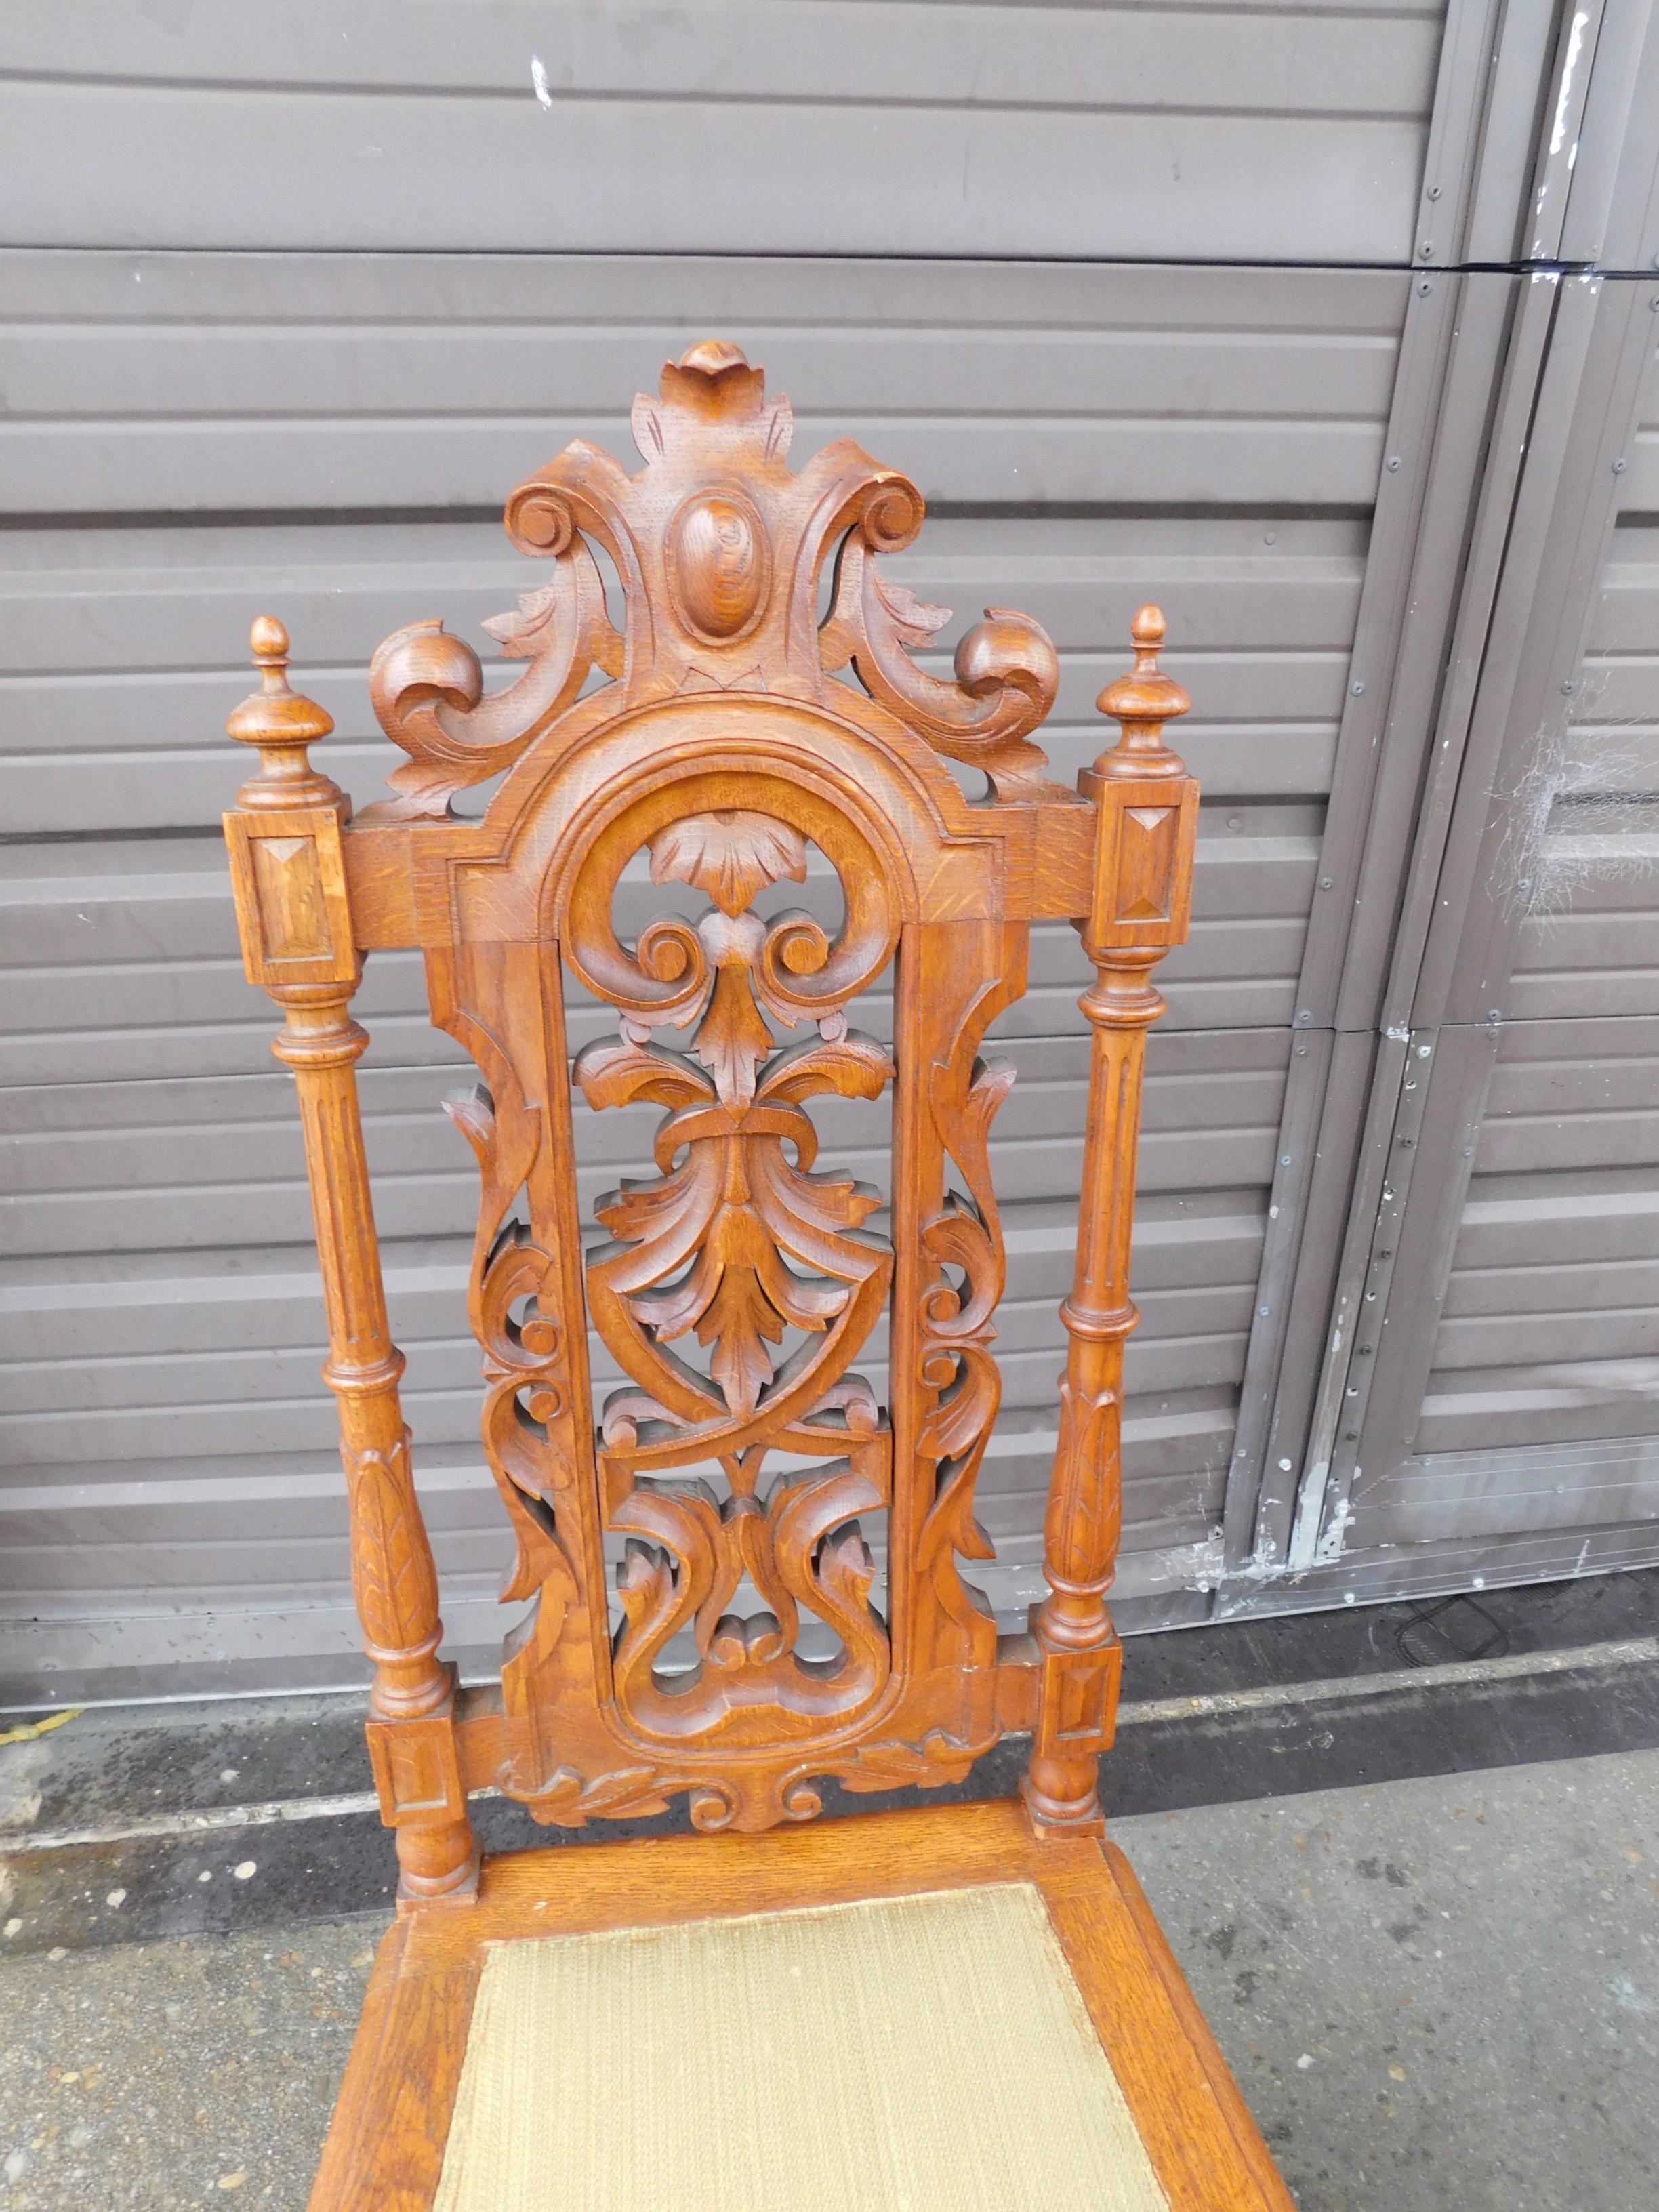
{"x":718,"y":565}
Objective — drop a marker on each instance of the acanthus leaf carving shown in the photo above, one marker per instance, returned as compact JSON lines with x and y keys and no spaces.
{"x":730,"y":1212}
{"x":570,"y":1799}
{"x":1006,"y":670}
{"x":939,"y":1758}
{"x":395,"y":1583}
{"x":730,"y":855}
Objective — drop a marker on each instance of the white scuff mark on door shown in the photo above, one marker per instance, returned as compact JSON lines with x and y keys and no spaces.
{"x":538,"y":80}
{"x":1575,"y":47}
{"x":1200,"y":1566}
{"x":1304,"y":1529}
{"x":1584,"y":811}
{"x":1399,"y":1033}
{"x":1328,"y":1550}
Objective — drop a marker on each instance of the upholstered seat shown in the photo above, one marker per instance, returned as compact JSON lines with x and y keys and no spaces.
{"x":962,"y":2018}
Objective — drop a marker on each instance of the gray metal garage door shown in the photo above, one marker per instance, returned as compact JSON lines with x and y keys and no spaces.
{"x":1150,"y":303}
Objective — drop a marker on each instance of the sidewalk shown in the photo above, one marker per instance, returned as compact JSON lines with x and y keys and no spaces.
{"x":1439,"y":1994}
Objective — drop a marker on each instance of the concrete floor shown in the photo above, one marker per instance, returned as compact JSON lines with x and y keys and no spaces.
{"x":1439,"y":1995}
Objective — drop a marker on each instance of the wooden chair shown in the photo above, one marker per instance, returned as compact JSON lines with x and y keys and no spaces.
{"x":973,"y":2001}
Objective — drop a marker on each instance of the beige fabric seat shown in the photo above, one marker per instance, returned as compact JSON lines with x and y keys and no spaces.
{"x":926,"y":2053}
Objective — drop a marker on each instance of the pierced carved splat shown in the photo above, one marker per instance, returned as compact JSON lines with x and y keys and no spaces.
{"x":810,"y":1362}
{"x":741,"y":1242}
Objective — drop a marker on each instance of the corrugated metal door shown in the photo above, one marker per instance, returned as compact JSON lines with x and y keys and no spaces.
{"x":1490,"y":1401}
{"x":337,"y":278}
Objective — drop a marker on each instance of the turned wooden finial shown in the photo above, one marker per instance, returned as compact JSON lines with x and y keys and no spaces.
{"x":1143,"y":701}
{"x":282,"y":723}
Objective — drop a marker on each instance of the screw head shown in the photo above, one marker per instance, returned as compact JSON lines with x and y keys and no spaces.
{"x":1618,"y":467}
{"x":1393,"y":461}
{"x":1356,"y":688}
{"x":1567,"y":689}
{"x":1434,"y":192}
{"x":1324,"y":883}
{"x":1284,"y":1159}
{"x":1262,"y":1310}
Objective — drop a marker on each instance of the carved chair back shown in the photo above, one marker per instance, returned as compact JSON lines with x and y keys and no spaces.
{"x":632,"y":860}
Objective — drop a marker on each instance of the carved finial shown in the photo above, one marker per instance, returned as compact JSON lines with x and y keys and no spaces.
{"x":714,"y":356}
{"x":282,"y":723}
{"x":711,"y":379}
{"x":1143,"y":701}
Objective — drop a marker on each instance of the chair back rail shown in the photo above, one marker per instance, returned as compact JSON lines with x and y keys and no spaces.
{"x":665,"y":786}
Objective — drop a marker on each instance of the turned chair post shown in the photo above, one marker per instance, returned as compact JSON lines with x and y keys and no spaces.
{"x":1147,"y":820}
{"x":298,"y":945}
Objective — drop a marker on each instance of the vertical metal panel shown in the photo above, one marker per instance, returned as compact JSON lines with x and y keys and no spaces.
{"x":1476,"y":1438}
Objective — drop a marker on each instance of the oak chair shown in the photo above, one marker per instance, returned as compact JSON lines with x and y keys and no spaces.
{"x":971,"y":2002}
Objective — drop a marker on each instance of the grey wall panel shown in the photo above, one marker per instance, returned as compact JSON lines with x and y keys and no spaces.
{"x":167,"y":1436}
{"x":266,"y":383}
{"x":1548,"y":1331}
{"x":190,"y":436}
{"x":114,"y":687}
{"x":919,"y":129}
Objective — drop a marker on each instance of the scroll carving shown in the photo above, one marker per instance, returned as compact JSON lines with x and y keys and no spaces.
{"x":1008,"y":673}
{"x":718,"y":547}
{"x":427,"y":687}
{"x":514,"y":1307}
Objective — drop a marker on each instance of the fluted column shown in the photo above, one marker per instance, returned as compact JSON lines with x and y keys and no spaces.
{"x":1148,"y":810}
{"x":293,"y":912}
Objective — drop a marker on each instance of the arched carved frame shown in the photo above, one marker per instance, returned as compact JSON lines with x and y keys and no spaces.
{"x":957,"y":963}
